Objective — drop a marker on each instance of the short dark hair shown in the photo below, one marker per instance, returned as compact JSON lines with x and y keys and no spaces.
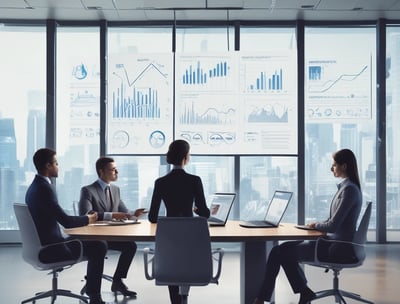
{"x":42,"y":157}
{"x":177,"y":151}
{"x":102,"y":162}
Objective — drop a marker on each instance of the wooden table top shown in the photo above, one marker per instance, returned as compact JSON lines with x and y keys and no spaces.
{"x":231,"y":232}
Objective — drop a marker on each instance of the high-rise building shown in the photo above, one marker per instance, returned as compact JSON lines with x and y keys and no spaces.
{"x":8,"y":144}
{"x":36,"y":135}
{"x":8,"y":169}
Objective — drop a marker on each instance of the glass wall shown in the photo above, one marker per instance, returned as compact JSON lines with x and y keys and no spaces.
{"x":340,"y":102}
{"x":204,"y":39}
{"x":261,"y":175}
{"x":138,"y":59}
{"x":393,"y":133}
{"x":217,"y":172}
{"x":22,"y":112}
{"x":78,"y":110}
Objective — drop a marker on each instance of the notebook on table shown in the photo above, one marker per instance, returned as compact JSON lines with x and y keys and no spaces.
{"x":220,"y":207}
{"x":276,"y":209}
{"x":116,"y":222}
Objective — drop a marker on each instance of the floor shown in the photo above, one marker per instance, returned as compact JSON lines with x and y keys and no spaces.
{"x":376,"y":280}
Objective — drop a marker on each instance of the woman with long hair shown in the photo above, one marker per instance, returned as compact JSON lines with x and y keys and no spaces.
{"x":340,"y":225}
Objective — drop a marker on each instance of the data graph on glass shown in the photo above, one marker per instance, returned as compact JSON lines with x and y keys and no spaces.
{"x":236,"y":103}
{"x":139,"y":104}
{"x":340,"y":111}
{"x":339,"y":87}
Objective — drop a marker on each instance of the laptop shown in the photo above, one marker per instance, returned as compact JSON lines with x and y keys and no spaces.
{"x":276,"y":210}
{"x":220,"y":206}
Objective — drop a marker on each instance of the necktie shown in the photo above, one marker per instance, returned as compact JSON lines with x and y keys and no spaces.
{"x":108,"y":198}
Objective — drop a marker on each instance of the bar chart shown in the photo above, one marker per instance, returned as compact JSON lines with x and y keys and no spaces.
{"x":267,"y":82}
{"x":139,"y":103}
{"x":199,"y":75}
{"x":134,"y":103}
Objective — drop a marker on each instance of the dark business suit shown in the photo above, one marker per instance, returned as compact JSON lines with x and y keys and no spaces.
{"x":341,"y":225}
{"x":47,"y":214}
{"x":178,"y":190}
{"x":93,"y":198}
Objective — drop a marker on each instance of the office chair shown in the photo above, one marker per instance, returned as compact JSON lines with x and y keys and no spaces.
{"x":31,"y":247}
{"x":106,"y":277}
{"x":359,"y":241}
{"x":182,"y":255}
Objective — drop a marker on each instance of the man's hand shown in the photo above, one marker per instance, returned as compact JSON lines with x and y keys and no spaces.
{"x":312,"y":225}
{"x":139,"y":212}
{"x":92,"y":217}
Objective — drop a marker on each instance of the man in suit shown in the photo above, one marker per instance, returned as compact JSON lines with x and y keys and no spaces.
{"x":47,"y":214}
{"x":104,"y":198}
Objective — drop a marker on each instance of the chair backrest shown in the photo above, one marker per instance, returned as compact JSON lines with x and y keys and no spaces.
{"x":182,"y":252}
{"x":360,"y":236}
{"x":31,"y":244}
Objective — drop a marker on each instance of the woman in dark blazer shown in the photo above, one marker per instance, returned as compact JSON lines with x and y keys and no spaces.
{"x":340,"y":225}
{"x":181,"y":192}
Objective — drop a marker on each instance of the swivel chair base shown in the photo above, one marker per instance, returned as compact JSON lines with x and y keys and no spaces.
{"x":55,"y":292}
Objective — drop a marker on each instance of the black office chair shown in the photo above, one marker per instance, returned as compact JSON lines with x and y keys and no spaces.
{"x":182,"y":255}
{"x":31,"y":247}
{"x":358,"y":244}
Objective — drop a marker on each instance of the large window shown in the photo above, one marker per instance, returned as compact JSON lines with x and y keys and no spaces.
{"x":139,"y":90}
{"x":22,"y":112}
{"x":155,"y":95}
{"x":78,"y":110}
{"x":261,"y":175}
{"x":216,"y":172}
{"x":340,"y":101}
{"x":393,"y":133}
{"x":259,"y":178}
{"x":139,"y":110}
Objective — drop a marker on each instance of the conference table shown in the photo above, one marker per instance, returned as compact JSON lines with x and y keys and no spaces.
{"x":255,"y":244}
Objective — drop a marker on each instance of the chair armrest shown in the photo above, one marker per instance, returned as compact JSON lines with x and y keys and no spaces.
{"x":217,"y":255}
{"x":79,"y":242}
{"x":356,"y":246}
{"x":148,"y":256}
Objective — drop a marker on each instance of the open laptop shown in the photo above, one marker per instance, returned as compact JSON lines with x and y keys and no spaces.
{"x":220,"y":206}
{"x":276,"y":210}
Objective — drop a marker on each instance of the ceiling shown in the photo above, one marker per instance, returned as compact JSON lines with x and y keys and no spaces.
{"x":151,"y":10}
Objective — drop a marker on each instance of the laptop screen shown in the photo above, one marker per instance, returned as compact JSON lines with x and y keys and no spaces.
{"x":220,"y":205}
{"x":277,"y":206}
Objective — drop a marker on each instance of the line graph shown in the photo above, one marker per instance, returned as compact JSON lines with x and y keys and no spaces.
{"x":136,"y":98}
{"x":268,"y":113}
{"x":327,"y":85}
{"x":139,"y":102}
{"x":211,"y":115}
{"x":339,"y":87}
{"x":141,"y":74}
